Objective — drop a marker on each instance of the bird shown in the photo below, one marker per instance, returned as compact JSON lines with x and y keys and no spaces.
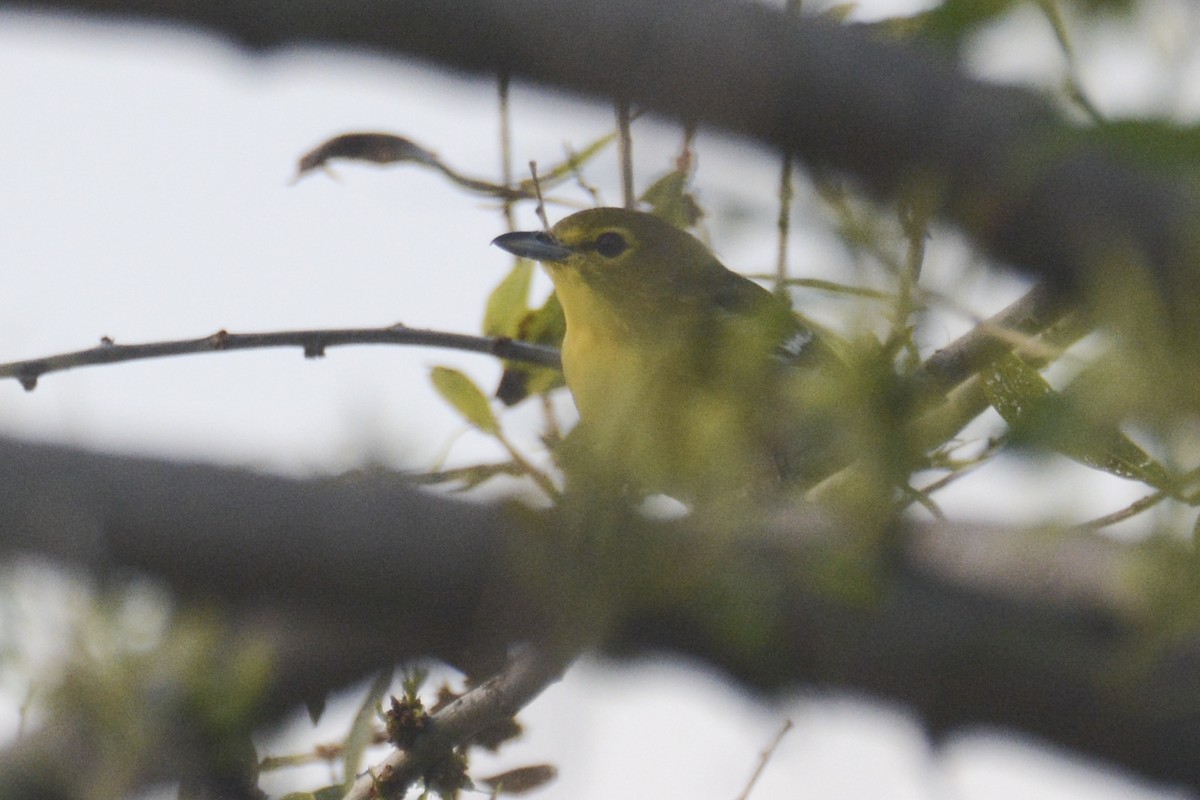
{"x":685,"y":374}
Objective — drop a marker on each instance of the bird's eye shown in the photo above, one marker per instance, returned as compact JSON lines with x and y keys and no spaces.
{"x":611,"y":244}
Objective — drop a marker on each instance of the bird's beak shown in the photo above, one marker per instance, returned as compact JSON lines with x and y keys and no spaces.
{"x":536,"y":245}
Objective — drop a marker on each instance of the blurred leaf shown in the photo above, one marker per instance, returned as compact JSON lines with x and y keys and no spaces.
{"x":525,"y":380}
{"x":547,"y":326}
{"x":571,"y":164}
{"x":315,"y":706}
{"x":953,"y":20}
{"x":669,"y":199}
{"x":521,"y":780}
{"x":839,"y":12}
{"x":1039,"y":415}
{"x":1111,"y":6}
{"x":362,"y":729}
{"x":376,"y":148}
{"x":387,"y":148}
{"x":1169,"y":149}
{"x":508,"y":303}
{"x":467,"y":398}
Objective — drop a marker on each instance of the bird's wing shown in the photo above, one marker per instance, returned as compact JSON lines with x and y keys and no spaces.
{"x":740,"y":302}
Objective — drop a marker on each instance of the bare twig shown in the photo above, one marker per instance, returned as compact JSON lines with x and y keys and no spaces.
{"x":314,"y":343}
{"x":625,"y":154}
{"x":1128,"y":512}
{"x":1188,"y":495}
{"x":764,"y":758}
{"x":1074,"y":81}
{"x":784,"y":221}
{"x":506,"y":171}
{"x":538,"y":476}
{"x":537,"y":188}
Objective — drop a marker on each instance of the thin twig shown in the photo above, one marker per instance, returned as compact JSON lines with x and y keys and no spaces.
{"x":784,"y":222}
{"x":786,"y":194}
{"x":1074,"y":85}
{"x":1188,"y":479}
{"x":313,"y":342}
{"x":1128,"y":512}
{"x":625,"y":154}
{"x":822,"y":285}
{"x":536,"y":475}
{"x":537,"y":188}
{"x":915,"y":225}
{"x":764,"y":758}
{"x":506,"y":171}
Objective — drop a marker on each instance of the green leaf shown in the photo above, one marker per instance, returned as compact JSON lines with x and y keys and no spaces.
{"x":508,"y":303}
{"x":669,"y":199}
{"x":1040,"y":415}
{"x":1015,"y":389}
{"x":547,"y":325}
{"x":467,"y":398}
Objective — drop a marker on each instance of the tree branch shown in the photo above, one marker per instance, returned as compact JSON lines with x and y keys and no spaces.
{"x":496,"y":700}
{"x":313,"y":342}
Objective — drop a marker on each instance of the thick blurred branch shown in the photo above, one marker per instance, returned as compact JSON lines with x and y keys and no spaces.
{"x":343,"y":576}
{"x":408,"y":571}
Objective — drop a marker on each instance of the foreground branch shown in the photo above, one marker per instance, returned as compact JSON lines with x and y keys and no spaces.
{"x":342,"y":577}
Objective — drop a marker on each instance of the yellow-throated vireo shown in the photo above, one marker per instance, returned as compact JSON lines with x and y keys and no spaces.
{"x":689,"y":378}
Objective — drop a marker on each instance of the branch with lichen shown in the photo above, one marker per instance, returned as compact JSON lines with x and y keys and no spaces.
{"x":494,"y":701}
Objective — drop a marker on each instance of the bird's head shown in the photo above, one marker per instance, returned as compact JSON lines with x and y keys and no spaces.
{"x":618,"y":253}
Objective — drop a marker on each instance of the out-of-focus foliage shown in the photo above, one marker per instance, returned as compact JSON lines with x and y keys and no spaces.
{"x":952,"y":21}
{"x":1169,"y":150}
